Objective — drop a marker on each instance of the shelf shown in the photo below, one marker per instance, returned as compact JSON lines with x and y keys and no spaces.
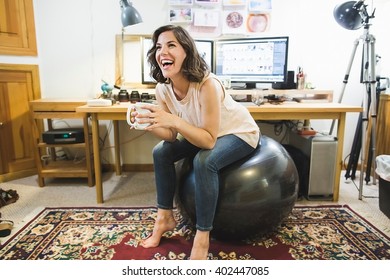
{"x":68,"y":145}
{"x":326,"y":95}
{"x":56,"y":105}
{"x":48,"y":110}
{"x":64,"y":168}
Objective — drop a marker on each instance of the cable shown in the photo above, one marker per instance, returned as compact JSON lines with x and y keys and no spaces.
{"x":127,"y":141}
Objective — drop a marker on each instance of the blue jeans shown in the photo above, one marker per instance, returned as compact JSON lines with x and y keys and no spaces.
{"x":206,"y":164}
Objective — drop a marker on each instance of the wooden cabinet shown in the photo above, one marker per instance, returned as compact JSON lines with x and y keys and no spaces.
{"x":17,"y":28}
{"x":19,"y":84}
{"x":48,"y":164}
{"x":383,"y":126}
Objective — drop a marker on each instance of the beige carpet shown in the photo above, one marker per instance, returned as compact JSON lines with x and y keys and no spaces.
{"x":137,"y":189}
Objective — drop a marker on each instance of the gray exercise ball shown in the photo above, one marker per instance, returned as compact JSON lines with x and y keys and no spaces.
{"x":256,"y":192}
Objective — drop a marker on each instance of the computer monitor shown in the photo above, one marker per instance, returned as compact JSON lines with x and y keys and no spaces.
{"x":145,"y":73}
{"x":205,"y":49}
{"x":248,"y":61}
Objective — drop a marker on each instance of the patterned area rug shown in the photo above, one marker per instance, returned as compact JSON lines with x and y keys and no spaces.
{"x":321,"y":233}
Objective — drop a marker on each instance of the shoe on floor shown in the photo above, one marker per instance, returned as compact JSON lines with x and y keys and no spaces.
{"x":6,"y":227}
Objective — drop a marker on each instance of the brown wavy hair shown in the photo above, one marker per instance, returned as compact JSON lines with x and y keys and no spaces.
{"x":194,"y":67}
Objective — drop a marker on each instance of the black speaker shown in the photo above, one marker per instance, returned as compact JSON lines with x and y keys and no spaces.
{"x":290,"y":84}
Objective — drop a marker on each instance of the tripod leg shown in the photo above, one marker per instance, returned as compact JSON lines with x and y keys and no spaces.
{"x":346,"y":77}
{"x":369,"y":162}
{"x":358,"y":147}
{"x":355,"y":151}
{"x":368,"y":141}
{"x":362,"y":152}
{"x":369,"y":80}
{"x":373,"y":103}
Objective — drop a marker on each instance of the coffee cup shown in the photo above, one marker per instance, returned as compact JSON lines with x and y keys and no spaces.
{"x":132,"y":120}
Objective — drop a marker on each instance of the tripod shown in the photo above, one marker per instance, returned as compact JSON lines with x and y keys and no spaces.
{"x":368,"y":78}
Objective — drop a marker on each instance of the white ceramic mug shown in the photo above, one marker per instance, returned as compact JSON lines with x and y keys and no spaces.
{"x":133,"y":121}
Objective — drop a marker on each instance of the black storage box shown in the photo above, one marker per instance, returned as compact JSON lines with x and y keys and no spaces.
{"x":384,"y":196}
{"x":63,"y":136}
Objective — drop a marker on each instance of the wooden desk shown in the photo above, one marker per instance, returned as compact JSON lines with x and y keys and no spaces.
{"x":285,"y":111}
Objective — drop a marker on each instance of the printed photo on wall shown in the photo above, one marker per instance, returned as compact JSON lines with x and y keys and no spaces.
{"x":259,"y":5}
{"x":180,"y":15}
{"x":205,"y":31}
{"x":207,"y":2}
{"x":206,"y":17}
{"x":181,"y":2}
{"x":234,"y":2}
{"x":257,"y":23}
{"x":233,"y":22}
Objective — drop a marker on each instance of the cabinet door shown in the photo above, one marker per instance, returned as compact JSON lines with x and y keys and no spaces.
{"x":19,"y":84}
{"x":17,"y":28}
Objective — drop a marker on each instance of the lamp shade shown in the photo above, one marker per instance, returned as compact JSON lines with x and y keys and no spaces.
{"x":348,"y":15}
{"x":130,"y":15}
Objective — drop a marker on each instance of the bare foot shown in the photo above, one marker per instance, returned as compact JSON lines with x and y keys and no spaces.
{"x":164,"y":222}
{"x":200,"y":248}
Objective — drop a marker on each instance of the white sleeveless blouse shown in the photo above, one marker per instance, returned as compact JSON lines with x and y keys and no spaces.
{"x":235,"y":118}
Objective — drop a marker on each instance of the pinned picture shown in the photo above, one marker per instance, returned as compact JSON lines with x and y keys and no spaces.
{"x":257,"y":23}
{"x":207,"y":2}
{"x":181,"y":2}
{"x":259,"y":5}
{"x":233,"y":22}
{"x":234,"y":2}
{"x":206,"y":17}
{"x":180,"y":15}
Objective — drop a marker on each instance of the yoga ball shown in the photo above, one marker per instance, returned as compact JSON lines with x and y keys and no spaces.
{"x":256,"y":192}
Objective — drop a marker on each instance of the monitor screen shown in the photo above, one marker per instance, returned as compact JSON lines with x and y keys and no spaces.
{"x":249,"y":61}
{"x":205,"y":49}
{"x":146,"y":45}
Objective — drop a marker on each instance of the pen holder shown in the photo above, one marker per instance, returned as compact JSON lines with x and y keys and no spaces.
{"x":301,"y":81}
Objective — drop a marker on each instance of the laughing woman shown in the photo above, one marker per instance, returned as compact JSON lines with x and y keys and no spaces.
{"x":195,"y":118}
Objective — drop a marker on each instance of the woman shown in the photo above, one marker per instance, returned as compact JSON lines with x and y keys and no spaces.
{"x":195,"y":118}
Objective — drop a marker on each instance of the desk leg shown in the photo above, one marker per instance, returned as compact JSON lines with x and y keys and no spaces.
{"x":118,"y":169}
{"x":339,"y":158}
{"x":96,"y":158}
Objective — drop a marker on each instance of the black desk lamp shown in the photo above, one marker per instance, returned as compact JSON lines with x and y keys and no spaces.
{"x":130,"y":15}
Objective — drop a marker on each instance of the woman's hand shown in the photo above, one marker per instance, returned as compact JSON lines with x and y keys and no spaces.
{"x":140,"y":115}
{"x":162,"y":123}
{"x":156,"y":117}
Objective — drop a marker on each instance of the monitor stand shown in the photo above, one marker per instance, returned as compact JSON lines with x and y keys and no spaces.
{"x":250,"y":85}
{"x":260,"y":86}
{"x":264,"y":86}
{"x":243,"y":86}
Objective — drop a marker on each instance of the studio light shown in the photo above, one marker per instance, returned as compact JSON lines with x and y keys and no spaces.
{"x":130,"y":15}
{"x":349,"y":14}
{"x":352,"y":15}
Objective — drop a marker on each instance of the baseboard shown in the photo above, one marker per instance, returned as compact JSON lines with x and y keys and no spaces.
{"x":129,"y":167}
{"x":17,"y":175}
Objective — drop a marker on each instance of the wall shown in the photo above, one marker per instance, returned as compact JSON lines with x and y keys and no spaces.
{"x":76,"y":49}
